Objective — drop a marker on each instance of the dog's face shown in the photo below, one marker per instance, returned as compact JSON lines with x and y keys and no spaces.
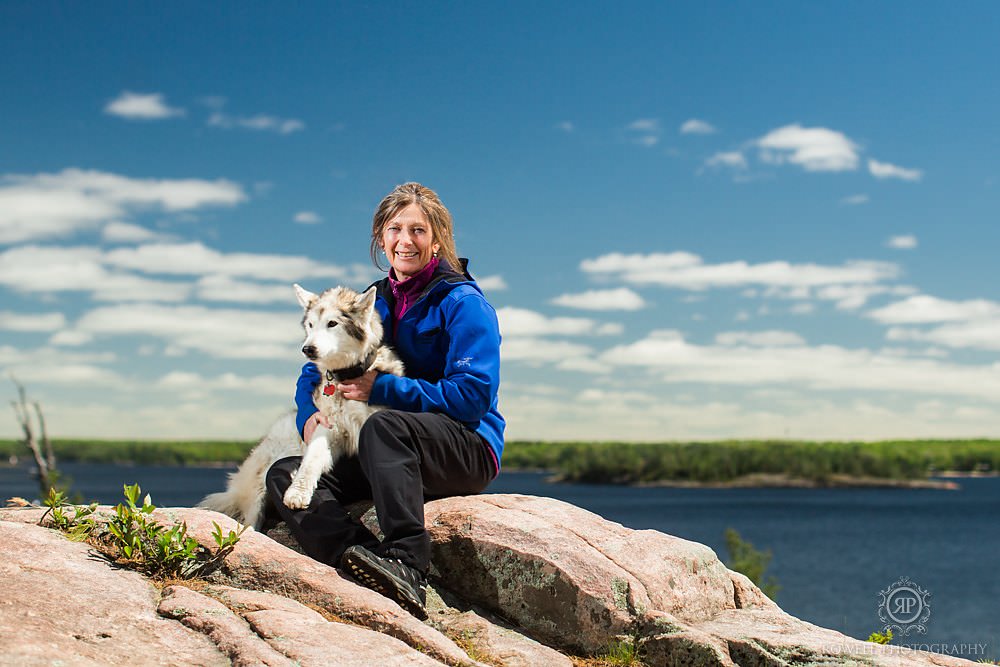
{"x":339,"y":325}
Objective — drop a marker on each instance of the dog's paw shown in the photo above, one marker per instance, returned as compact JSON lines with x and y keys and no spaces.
{"x":297,"y":498}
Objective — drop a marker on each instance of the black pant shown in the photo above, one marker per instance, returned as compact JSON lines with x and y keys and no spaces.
{"x":403,"y":458}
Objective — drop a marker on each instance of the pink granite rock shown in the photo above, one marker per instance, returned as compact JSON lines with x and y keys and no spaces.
{"x":260,"y":563}
{"x":62,"y":604}
{"x":267,"y":629}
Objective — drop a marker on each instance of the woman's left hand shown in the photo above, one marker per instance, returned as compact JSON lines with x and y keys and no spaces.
{"x":360,"y":388}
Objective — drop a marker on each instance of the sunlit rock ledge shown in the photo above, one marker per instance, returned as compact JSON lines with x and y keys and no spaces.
{"x":516,"y":580}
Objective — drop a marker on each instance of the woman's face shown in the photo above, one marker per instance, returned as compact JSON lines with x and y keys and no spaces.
{"x":408,"y":241}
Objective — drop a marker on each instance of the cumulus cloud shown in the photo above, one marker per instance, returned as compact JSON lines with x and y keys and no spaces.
{"x":645,"y":131}
{"x":685,"y":270}
{"x":695,"y":126}
{"x":885,"y":170}
{"x":47,"y":269}
{"x":34,"y":322}
{"x":772,"y":338}
{"x":975,"y":334}
{"x":195,"y":385}
{"x":826,"y":367}
{"x":852,"y":297}
{"x":645,"y":125}
{"x":855,"y":200}
{"x":732,"y":159}
{"x":906,"y":242}
{"x":141,"y":106}
{"x":524,"y":322}
{"x":222,"y":333}
{"x":259,"y":122}
{"x":125,"y":232}
{"x":812,"y":148}
{"x":494,"y":283}
{"x":541,"y":350}
{"x":924,"y":309}
{"x":197,"y":259}
{"x":46,"y":205}
{"x":127,"y":273}
{"x":225,"y":288}
{"x":610,"y":299}
{"x":307,"y":218}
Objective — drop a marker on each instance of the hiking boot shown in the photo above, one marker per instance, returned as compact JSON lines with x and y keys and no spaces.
{"x":391,"y":577}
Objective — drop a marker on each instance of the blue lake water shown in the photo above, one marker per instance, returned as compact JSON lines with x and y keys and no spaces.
{"x":834,"y":549}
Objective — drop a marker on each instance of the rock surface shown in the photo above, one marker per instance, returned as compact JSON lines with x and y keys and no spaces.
{"x":517,"y":580}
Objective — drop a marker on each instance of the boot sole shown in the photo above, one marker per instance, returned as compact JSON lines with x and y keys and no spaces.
{"x":371,"y":575}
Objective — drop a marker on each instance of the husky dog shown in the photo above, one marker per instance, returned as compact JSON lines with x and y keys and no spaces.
{"x":343,"y":336}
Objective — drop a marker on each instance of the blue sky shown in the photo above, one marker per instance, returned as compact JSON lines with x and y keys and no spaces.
{"x":696,"y":221}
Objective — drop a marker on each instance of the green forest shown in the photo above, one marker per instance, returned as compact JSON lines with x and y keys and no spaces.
{"x":622,"y":462}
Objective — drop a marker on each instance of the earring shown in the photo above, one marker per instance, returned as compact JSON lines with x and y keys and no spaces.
{"x":435,"y":253}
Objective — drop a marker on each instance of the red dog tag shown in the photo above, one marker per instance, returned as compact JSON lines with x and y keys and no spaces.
{"x":330,"y":389}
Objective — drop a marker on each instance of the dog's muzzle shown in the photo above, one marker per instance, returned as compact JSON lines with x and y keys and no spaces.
{"x":310,"y":351}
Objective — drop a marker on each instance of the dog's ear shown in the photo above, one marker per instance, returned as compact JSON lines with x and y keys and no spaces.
{"x":366,"y":302}
{"x":304,"y":296}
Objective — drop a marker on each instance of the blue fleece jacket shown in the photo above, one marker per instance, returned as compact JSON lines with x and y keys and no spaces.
{"x":449,"y":341}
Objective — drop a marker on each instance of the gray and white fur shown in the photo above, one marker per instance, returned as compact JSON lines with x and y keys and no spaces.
{"x":342,"y":330}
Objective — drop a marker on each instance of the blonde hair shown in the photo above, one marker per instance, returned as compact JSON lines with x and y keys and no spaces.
{"x":436,"y":213}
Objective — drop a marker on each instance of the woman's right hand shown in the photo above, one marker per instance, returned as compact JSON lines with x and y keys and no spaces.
{"x":310,"y":428}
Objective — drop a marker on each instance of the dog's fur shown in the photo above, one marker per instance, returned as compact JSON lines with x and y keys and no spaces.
{"x":342,"y":329}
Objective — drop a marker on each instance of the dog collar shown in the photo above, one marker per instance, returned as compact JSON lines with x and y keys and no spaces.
{"x":349,"y":373}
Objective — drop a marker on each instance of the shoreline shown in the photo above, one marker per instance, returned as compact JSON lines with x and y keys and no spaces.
{"x":776,"y":481}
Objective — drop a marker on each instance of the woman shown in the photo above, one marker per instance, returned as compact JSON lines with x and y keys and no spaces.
{"x":442,"y":434}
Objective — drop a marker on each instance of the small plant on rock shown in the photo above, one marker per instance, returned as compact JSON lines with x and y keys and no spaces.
{"x":161,"y":551}
{"x":133,"y":538}
{"x":77,"y":525}
{"x":879,"y":638}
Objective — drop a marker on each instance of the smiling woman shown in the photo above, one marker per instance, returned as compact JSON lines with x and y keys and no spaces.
{"x":442,"y":434}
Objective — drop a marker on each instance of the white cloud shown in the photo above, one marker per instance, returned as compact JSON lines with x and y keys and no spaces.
{"x":885,"y":170}
{"x":852,"y":297}
{"x":260,"y":122}
{"x":645,"y":131}
{"x":224,"y":288}
{"x":855,"y":200}
{"x":221,"y":333}
{"x":688,"y":271}
{"x":733,"y":159}
{"x":695,"y":126}
{"x":141,"y":106}
{"x":976,"y":334}
{"x":307,"y":218}
{"x":812,"y":148}
{"x":523,"y":322}
{"x":802,"y":308}
{"x":610,"y":299}
{"x":924,"y":309}
{"x":906,"y":242}
{"x":45,"y":205}
{"x":80,"y":269}
{"x":824,"y":367}
{"x":494,"y":283}
{"x":645,"y":125}
{"x":541,"y":350}
{"x":197,"y":259}
{"x":40,"y":322}
{"x":70,"y":338}
{"x":565,"y":126}
{"x":773,"y":338}
{"x":124,"y":232}
{"x":195,"y":385}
